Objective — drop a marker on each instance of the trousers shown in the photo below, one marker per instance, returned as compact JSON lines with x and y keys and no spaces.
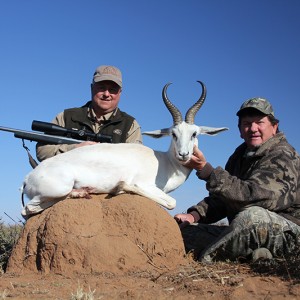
{"x":252,"y":228}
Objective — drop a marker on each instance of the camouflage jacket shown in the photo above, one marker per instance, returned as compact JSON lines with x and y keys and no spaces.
{"x":268,"y":178}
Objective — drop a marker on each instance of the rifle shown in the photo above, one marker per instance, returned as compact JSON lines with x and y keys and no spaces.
{"x":55,"y":134}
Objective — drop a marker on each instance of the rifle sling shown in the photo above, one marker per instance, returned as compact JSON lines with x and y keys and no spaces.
{"x":32,"y":161}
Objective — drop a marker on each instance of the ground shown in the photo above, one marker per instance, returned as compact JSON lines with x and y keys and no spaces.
{"x":219,"y":281}
{"x":127,"y":248}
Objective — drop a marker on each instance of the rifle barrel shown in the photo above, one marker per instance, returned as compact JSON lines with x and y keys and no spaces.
{"x":40,"y":137}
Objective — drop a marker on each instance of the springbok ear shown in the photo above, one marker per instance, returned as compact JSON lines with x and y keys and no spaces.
{"x":211,"y":130}
{"x":157,"y":133}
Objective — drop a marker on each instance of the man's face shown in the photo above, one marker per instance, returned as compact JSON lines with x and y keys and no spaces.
{"x":105,"y":96}
{"x":256,"y":129}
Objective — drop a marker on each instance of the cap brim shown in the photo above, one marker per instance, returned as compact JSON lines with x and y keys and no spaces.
{"x":253,"y":108}
{"x":108,"y":77}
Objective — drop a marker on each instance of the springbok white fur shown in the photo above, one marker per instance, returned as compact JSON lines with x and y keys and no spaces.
{"x":118,"y":168}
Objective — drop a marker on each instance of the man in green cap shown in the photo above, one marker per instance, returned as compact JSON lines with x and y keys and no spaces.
{"x":100,"y":115}
{"x":258,"y":192}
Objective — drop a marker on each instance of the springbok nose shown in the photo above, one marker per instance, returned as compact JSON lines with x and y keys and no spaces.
{"x":183,"y":155}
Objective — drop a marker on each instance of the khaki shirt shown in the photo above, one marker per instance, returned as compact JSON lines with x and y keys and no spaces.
{"x":46,"y":151}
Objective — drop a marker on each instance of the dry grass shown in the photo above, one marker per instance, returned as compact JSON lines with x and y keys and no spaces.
{"x":233,"y":273}
{"x":82,"y":295}
{"x":287,"y":268}
{"x":4,"y":294}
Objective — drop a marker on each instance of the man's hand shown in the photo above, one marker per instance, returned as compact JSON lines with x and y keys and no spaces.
{"x":86,"y":143}
{"x":197,"y":161}
{"x":184,"y":220}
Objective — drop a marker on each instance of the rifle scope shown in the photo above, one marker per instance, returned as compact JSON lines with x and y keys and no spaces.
{"x":50,"y":128}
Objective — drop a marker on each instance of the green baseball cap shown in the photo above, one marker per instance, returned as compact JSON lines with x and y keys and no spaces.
{"x":261,"y":104}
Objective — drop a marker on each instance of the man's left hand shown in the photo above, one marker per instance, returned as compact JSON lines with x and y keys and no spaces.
{"x":197,"y":161}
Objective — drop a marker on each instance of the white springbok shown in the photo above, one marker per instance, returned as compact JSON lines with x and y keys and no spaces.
{"x":118,"y":168}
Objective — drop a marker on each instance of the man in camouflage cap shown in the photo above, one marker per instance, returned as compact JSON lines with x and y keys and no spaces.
{"x":100,"y":115}
{"x":258,"y":192}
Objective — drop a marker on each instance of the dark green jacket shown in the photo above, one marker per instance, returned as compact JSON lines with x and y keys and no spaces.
{"x":270,"y":179}
{"x":117,"y":126}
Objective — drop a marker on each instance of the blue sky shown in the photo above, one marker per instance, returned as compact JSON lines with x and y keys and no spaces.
{"x":239,"y":49}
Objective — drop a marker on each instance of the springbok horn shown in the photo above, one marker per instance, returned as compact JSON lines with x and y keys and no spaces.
{"x":176,"y":114}
{"x":190,"y":115}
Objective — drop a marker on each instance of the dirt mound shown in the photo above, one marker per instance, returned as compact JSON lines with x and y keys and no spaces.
{"x":126,"y":247}
{"x":92,"y":236}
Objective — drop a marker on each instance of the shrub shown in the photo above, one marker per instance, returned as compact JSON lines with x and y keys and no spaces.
{"x":9,"y":235}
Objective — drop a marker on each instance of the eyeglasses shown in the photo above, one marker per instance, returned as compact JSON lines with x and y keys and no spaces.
{"x":111,"y":88}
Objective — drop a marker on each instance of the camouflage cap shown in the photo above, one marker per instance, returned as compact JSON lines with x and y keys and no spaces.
{"x":261,"y":104}
{"x":108,"y":73}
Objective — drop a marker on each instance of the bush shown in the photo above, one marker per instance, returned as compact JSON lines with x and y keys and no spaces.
{"x":9,"y":235}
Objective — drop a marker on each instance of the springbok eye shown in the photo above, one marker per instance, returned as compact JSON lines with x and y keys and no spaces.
{"x":174,"y":136}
